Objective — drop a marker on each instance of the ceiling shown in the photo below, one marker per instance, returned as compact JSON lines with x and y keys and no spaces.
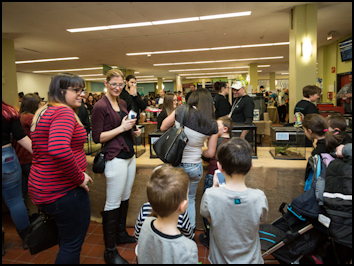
{"x":39,"y":32}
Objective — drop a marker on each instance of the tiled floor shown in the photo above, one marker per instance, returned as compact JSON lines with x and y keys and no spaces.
{"x":91,"y":253}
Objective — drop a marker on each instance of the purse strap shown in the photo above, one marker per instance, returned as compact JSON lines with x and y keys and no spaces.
{"x":184,"y":115}
{"x":106,"y":146}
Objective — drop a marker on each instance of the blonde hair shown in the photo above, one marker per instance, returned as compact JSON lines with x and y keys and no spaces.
{"x":114,"y":73}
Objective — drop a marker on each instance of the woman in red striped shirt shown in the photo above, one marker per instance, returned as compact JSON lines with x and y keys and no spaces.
{"x":57,"y":181}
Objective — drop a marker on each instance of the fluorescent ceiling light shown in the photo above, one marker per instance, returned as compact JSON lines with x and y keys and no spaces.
{"x":166,"y":52}
{"x":203,"y":62}
{"x":246,"y":59}
{"x":225,"y":47}
{"x":274,"y":57}
{"x":160,"y":22}
{"x":178,"y":20}
{"x":46,"y":60}
{"x":229,"y":15}
{"x":195,"y":50}
{"x":88,"y":29}
{"x":217,"y":61}
{"x":91,"y":75}
{"x":284,"y":73}
{"x":96,"y":79}
{"x":183,"y":63}
{"x":222,"y":61}
{"x":213,"y":68}
{"x":130,"y":25}
{"x":144,"y":76}
{"x":67,"y":70}
{"x":209,"y":49}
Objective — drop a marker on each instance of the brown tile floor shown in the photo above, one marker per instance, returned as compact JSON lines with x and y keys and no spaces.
{"x":91,"y":253}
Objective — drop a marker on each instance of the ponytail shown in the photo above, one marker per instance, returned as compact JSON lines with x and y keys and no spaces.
{"x":333,"y":140}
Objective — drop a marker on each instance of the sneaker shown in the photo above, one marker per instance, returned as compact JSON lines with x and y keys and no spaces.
{"x":204,"y":240}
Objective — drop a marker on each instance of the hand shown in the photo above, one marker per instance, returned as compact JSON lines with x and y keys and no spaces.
{"x":137,"y":132}
{"x":339,"y":151}
{"x":84,"y":184}
{"x":215,"y":180}
{"x":127,"y":124}
{"x":133,"y":90}
{"x":348,"y":95}
{"x":280,"y":104}
{"x":341,"y":96}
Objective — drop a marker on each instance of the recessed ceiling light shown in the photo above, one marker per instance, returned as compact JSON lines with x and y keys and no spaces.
{"x":130,"y":25}
{"x":207,"y":49}
{"x":46,"y":60}
{"x":88,"y":29}
{"x":178,"y":20}
{"x":160,"y":22}
{"x":229,"y":15}
{"x":67,"y":70}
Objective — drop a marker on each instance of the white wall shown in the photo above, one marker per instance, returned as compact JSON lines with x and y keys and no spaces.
{"x":29,"y":83}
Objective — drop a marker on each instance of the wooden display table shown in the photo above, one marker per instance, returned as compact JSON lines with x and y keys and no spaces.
{"x":280,"y":181}
{"x":273,"y":114}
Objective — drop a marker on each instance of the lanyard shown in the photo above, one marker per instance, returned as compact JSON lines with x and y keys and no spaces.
{"x":234,"y":106}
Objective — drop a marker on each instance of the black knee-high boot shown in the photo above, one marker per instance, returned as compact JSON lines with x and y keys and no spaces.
{"x":23,"y":234}
{"x":122,"y":234}
{"x":109,"y":222}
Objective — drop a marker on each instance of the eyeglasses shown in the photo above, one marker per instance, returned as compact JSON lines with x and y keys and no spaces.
{"x":114,"y":85}
{"x":77,"y":91}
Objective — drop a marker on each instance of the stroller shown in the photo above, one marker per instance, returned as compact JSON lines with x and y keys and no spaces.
{"x":303,"y":233}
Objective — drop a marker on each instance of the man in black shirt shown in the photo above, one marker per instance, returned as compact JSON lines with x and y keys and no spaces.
{"x":242,"y":109}
{"x":130,"y":95}
{"x":192,"y":87}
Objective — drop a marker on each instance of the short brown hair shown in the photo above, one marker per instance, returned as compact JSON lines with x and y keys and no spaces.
{"x":30,"y":103}
{"x":337,"y":121}
{"x":309,"y":90}
{"x":166,"y":189}
{"x":227,"y":122}
{"x":235,"y":156}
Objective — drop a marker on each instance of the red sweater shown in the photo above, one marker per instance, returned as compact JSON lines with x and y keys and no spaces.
{"x":58,"y":156}
{"x":24,"y":156}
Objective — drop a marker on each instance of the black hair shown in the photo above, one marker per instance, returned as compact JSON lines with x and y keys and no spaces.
{"x":129,"y":77}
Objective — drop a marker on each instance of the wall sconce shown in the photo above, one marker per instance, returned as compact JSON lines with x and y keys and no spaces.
{"x":306,"y":48}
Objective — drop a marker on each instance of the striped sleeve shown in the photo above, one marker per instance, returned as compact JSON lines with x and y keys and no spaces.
{"x":59,"y":141}
{"x":183,"y":225}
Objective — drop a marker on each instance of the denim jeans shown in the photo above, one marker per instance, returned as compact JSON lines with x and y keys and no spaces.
{"x":195,"y":173}
{"x":72,"y":215}
{"x":12,"y":188}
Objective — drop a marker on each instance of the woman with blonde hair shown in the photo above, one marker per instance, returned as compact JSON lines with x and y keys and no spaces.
{"x":169,"y":105}
{"x":111,"y":126}
{"x":57,"y":180}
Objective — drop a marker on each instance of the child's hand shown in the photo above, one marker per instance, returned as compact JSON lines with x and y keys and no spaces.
{"x":215,"y":180}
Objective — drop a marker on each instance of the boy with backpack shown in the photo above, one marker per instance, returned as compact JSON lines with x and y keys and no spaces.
{"x":160,"y":241}
{"x":234,"y":211}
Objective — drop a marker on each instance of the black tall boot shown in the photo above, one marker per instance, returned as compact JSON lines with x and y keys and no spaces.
{"x":3,"y":250}
{"x":111,"y":255}
{"x":23,"y":234}
{"x":122,"y":234}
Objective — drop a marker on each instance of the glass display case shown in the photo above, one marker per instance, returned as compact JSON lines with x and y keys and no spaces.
{"x":288,"y":143}
{"x":139,"y":142}
{"x":152,"y":113}
{"x":153,"y":136}
{"x":251,"y":136}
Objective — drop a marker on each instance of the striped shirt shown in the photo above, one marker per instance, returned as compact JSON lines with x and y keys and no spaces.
{"x":183,"y":225}
{"x":58,"y":156}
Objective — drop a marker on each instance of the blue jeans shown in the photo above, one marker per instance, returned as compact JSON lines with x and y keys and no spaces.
{"x":12,"y":188}
{"x":195,"y":173}
{"x":72,"y":215}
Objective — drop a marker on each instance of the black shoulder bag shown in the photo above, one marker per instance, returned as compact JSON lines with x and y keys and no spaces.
{"x":99,"y":162}
{"x":169,"y":147}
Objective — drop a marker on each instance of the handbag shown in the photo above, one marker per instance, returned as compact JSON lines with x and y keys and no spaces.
{"x":169,"y":147}
{"x":42,"y":233}
{"x":99,"y":162}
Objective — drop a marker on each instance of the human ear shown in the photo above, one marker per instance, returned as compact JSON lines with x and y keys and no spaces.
{"x":183,"y":206}
{"x":219,"y":166}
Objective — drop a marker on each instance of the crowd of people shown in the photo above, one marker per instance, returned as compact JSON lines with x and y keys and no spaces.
{"x":49,"y":138}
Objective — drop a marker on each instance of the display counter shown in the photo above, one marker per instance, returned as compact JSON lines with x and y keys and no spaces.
{"x":281,"y":181}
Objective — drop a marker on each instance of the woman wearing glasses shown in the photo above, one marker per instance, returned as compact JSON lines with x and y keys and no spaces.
{"x":57,"y":180}
{"x":110,"y":126}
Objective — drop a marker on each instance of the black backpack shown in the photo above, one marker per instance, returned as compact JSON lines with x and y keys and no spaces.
{"x":337,"y":198}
